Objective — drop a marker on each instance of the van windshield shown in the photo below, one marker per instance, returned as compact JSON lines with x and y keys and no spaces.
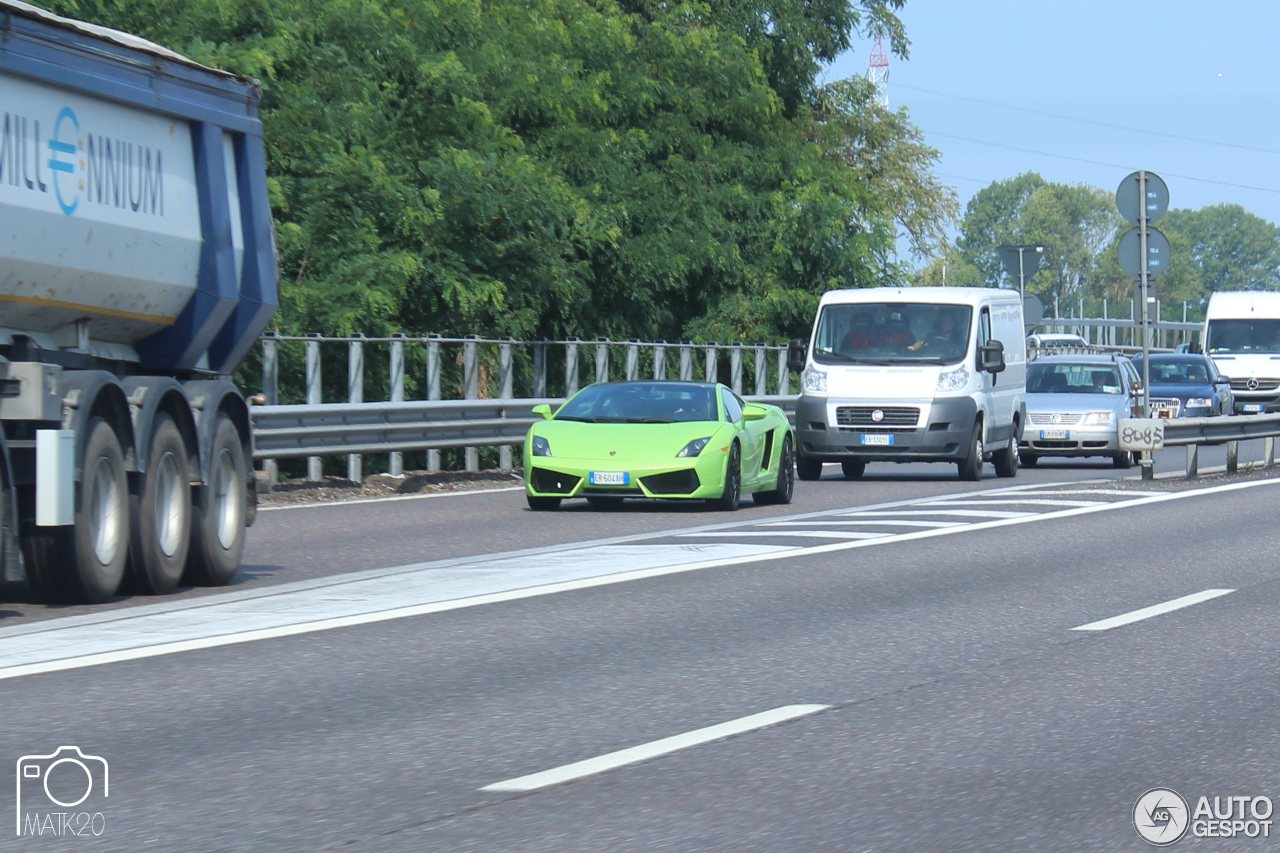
{"x":1243,"y":336}
{"x":892,"y":333}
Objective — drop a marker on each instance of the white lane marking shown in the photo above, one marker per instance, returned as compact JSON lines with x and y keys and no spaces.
{"x":896,"y":522}
{"x":389,"y":499}
{"x":1153,"y":610}
{"x":1014,"y":501}
{"x":290,"y":610}
{"x":976,"y":513}
{"x":653,"y":749}
{"x":809,"y":534}
{"x":1136,"y":493}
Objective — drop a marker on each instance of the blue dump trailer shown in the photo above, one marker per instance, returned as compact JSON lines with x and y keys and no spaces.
{"x":137,"y":268}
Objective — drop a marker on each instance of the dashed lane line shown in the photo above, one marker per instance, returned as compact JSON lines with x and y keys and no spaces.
{"x":1154,"y":610}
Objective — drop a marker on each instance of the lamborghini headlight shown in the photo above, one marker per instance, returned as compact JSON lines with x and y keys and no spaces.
{"x":693,"y":448}
{"x":541,"y":447}
{"x":1098,"y":418}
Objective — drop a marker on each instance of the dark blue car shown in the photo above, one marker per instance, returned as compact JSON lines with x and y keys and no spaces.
{"x":1187,"y":385}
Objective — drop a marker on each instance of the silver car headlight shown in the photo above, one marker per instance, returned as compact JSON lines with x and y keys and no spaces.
{"x":541,"y":447}
{"x":1098,"y":418}
{"x":953,"y":380}
{"x":1199,"y":402}
{"x":693,"y":448}
{"x":814,"y":380}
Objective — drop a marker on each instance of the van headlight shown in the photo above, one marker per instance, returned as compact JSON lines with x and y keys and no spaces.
{"x":1098,"y":418}
{"x":953,"y":380}
{"x":814,"y":380}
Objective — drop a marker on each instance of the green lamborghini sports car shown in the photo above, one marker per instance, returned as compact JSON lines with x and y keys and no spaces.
{"x":659,"y":439}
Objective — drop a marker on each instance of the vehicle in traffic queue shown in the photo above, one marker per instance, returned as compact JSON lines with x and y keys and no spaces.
{"x":1055,"y":340}
{"x":1242,"y":336}
{"x":913,"y":374}
{"x":1074,"y":407}
{"x":659,"y":439}
{"x":1187,"y":385}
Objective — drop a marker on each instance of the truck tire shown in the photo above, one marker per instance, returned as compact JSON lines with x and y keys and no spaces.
{"x":85,"y":562}
{"x":218,"y":519}
{"x":160,"y":509}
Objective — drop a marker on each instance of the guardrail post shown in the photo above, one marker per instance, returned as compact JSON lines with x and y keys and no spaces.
{"x":315,"y":469}
{"x":686,"y":363}
{"x":271,"y":391}
{"x":659,"y":362}
{"x":571,"y":368}
{"x":633,"y":361}
{"x":355,"y":394}
{"x":1193,"y":461}
{"x":735,"y":369}
{"x":712,"y":373}
{"x":602,"y":360}
{"x":761,"y":371}
{"x":504,"y":374}
{"x":471,"y":389}
{"x":540,"y":369}
{"x":433,"y":393}
{"x":395,"y":465}
{"x":1269,"y":451}
{"x":1233,"y":456}
{"x":784,"y":374}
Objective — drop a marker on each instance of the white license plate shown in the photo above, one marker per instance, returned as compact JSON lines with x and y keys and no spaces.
{"x":1054,"y":433}
{"x":880,"y":440}
{"x":1252,"y":407}
{"x":609,"y":478}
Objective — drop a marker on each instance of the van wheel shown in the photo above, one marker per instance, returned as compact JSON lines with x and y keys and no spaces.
{"x":853,"y":469}
{"x":971,"y":466}
{"x":1006,"y":459}
{"x":808,"y":469}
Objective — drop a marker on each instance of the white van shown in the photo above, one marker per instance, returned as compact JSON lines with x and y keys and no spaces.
{"x":1242,"y":336}
{"x":913,"y":374}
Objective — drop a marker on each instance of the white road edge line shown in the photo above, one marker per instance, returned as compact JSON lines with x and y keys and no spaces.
{"x":1153,"y":610}
{"x":653,"y":749}
{"x":348,"y":502}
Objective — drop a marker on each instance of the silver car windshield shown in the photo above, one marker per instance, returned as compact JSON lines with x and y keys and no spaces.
{"x":1073,"y":379}
{"x":1243,"y":336}
{"x":892,"y":333}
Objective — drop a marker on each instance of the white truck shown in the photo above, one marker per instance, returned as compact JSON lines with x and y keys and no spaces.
{"x":137,"y":268}
{"x":914,"y":374}
{"x":1242,"y":336}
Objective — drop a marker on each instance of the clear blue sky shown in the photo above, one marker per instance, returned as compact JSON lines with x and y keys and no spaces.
{"x":1088,"y":91}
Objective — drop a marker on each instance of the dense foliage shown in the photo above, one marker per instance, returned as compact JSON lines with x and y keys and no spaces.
{"x":557,"y":168}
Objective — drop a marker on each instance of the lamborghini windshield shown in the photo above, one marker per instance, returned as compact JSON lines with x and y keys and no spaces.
{"x":642,"y":403}
{"x":892,"y":333}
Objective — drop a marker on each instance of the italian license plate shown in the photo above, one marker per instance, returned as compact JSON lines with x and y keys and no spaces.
{"x":609,"y":478}
{"x":1252,"y":407}
{"x":1054,"y":433}
{"x":877,"y":440}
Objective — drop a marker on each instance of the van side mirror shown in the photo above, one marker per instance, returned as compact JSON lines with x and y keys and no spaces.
{"x":797,"y":355}
{"x":991,"y":357}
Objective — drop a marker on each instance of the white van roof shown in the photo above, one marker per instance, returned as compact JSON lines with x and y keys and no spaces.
{"x":1242,"y":304}
{"x":941,"y":295}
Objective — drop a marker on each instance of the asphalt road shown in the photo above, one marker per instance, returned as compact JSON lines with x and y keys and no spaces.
{"x":384,"y":676}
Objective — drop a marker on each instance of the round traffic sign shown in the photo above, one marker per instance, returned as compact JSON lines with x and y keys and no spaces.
{"x":1130,"y":252}
{"x":1130,"y":200}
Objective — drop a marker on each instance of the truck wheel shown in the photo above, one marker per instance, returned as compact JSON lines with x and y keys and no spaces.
{"x":782,"y":493}
{"x":85,"y":562}
{"x":808,"y":469}
{"x":160,"y":509}
{"x":1006,"y":459}
{"x":853,"y":470}
{"x":971,"y":465}
{"x":218,"y":523}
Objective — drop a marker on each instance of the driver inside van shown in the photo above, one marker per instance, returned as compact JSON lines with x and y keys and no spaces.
{"x":945,"y":336}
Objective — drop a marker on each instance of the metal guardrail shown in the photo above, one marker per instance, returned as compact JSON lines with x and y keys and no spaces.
{"x":332,"y":429}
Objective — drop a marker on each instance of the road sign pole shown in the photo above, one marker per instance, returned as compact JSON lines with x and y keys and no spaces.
{"x":1147,"y":462}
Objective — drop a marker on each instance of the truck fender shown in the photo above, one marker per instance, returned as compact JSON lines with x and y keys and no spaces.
{"x":149,"y":396}
{"x":209,"y":397}
{"x":85,"y":393}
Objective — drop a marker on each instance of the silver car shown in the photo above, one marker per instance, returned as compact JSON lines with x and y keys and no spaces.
{"x":1074,"y":407}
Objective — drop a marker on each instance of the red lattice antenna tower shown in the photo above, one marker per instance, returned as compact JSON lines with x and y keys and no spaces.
{"x":878,"y":73}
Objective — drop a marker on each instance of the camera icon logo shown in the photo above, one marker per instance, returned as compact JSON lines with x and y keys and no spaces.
{"x":65,"y":778}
